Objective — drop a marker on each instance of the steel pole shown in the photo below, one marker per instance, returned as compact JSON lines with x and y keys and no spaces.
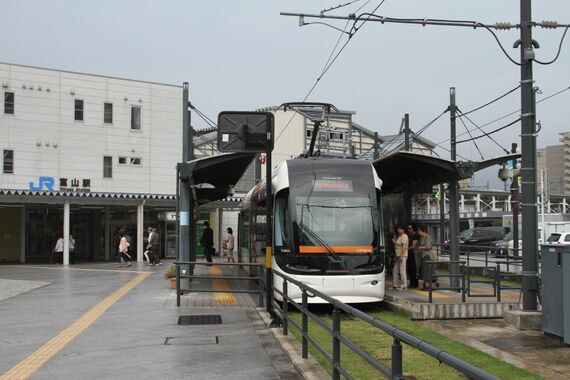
{"x":268,"y":227}
{"x":407,"y":194}
{"x":453,"y":198}
{"x":184,"y":190}
{"x":528,"y":163}
{"x":515,"y":204}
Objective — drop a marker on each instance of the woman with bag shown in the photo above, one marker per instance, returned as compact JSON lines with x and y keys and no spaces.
{"x":428,"y":254}
{"x":123,"y":250}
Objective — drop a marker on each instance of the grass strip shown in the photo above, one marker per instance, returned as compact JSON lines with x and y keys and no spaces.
{"x":378,"y":344}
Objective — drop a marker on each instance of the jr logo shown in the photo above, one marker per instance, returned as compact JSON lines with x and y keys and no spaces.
{"x":46,"y":182}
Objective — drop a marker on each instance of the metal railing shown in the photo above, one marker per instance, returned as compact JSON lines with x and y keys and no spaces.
{"x":188,"y":266}
{"x":432,"y":271}
{"x":399,"y":336}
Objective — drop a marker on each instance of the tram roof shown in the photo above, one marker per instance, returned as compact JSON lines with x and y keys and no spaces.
{"x":413,"y":172}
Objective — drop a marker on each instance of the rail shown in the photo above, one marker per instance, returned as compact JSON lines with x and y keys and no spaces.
{"x":189,"y":274}
{"x":432,"y":271}
{"x":399,"y":336}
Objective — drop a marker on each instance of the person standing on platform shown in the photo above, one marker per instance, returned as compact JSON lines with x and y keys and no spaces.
{"x":399,"y":271}
{"x":207,"y":241}
{"x":154,"y":242}
{"x":71,"y":249}
{"x":58,"y":251}
{"x":428,"y":254}
{"x":415,"y":256}
{"x":229,"y":242}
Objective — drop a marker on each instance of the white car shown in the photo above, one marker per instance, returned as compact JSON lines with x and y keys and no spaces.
{"x":559,"y":238}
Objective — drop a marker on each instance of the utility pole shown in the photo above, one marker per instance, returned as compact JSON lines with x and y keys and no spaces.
{"x":376,"y":147}
{"x":453,"y":198}
{"x":407,"y":148}
{"x":515,"y":203}
{"x":528,"y":162}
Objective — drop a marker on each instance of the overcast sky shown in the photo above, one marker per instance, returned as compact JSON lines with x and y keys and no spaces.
{"x":242,"y":55}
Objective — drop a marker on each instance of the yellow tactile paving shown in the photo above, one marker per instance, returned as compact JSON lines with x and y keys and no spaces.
{"x":27,"y":367}
{"x":221,"y":286}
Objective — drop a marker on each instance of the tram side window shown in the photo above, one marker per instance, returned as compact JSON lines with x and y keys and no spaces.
{"x":281,"y":220}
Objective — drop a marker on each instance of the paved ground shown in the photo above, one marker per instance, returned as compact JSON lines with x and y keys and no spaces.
{"x":532,"y":350}
{"x":95,"y":321}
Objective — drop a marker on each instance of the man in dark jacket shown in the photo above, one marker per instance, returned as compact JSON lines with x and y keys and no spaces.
{"x":207,"y":241}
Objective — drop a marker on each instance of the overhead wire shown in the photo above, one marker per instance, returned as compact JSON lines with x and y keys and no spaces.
{"x":559,"y":50}
{"x":492,"y":101}
{"x":330,"y":62}
{"x":479,"y":128}
{"x":489,"y":133}
{"x":470,"y":135}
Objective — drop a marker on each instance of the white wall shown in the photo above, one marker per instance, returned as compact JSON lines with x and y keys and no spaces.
{"x":47,"y":141}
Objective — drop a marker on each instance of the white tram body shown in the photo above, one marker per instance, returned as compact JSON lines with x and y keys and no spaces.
{"x":327,"y":228}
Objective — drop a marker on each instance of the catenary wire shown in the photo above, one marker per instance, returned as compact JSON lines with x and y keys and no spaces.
{"x":470,"y":135}
{"x":489,"y":133}
{"x":461,"y":115}
{"x":514,"y":112}
{"x":327,"y":67}
{"x":492,"y":101}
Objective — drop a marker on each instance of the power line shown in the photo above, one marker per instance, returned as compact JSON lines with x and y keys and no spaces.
{"x":559,"y":50}
{"x":492,"y":101}
{"x":489,"y":133}
{"x":479,"y":128}
{"x":330,"y":62}
{"x":512,"y":113}
{"x":476,"y":146}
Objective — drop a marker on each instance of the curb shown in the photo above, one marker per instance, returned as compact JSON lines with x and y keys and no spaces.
{"x":308,"y":368}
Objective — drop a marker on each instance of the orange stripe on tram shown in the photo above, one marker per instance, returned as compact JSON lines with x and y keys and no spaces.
{"x":335,"y":248}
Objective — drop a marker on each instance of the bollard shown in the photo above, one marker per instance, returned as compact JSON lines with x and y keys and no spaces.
{"x":498,"y":281}
{"x":285,"y":309}
{"x":304,"y":327}
{"x":430,"y":280}
{"x":396,"y":359}
{"x":335,"y":344}
{"x":462,"y":272}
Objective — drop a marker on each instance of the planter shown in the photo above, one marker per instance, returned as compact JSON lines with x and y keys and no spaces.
{"x":173,"y":283}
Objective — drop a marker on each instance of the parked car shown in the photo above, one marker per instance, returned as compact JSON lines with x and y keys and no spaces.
{"x":481,"y":238}
{"x":559,"y":238}
{"x":506,"y":246}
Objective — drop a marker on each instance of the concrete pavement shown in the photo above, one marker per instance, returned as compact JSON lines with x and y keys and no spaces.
{"x":102,"y":322}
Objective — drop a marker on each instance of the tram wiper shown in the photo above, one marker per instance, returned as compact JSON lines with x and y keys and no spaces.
{"x":319,"y":240}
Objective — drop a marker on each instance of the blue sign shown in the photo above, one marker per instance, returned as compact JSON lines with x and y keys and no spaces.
{"x":184,"y":218}
{"x":46,"y":182}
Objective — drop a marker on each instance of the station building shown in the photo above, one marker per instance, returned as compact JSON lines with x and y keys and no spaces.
{"x":88,"y":155}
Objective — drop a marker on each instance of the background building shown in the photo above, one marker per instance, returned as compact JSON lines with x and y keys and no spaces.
{"x":98,"y":149}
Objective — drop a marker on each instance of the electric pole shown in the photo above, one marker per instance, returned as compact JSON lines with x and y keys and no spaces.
{"x":528,"y":162}
{"x":453,"y":198}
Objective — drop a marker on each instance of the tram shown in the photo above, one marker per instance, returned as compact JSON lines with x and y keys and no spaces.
{"x":327,"y":228}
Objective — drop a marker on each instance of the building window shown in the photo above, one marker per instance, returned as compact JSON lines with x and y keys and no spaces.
{"x":107,"y":167}
{"x":135,"y":118}
{"x":309,"y":132}
{"x":78,"y":110}
{"x":122,"y":160}
{"x":9,"y":103}
{"x":135,"y":161}
{"x":8,"y":161}
{"x":336,"y":135}
{"x":108,"y":113}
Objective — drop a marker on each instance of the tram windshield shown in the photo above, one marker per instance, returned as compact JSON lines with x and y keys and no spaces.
{"x":332,"y":214}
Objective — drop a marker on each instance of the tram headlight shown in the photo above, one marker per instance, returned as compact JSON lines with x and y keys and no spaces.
{"x":374,"y":282}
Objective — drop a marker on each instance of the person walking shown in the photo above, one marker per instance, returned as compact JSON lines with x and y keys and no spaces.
{"x":71,"y":249}
{"x":154,"y":242}
{"x":229,"y":242}
{"x":428,"y":254}
{"x":207,"y":241}
{"x":58,"y":251}
{"x":399,"y":271}
{"x":123,"y":250}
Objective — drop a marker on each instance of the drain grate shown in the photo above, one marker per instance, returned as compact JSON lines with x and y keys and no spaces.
{"x":208,"y":319}
{"x":191,"y":341}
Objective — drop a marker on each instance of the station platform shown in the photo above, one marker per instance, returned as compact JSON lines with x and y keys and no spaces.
{"x":93,"y":321}
{"x":447,"y":304}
